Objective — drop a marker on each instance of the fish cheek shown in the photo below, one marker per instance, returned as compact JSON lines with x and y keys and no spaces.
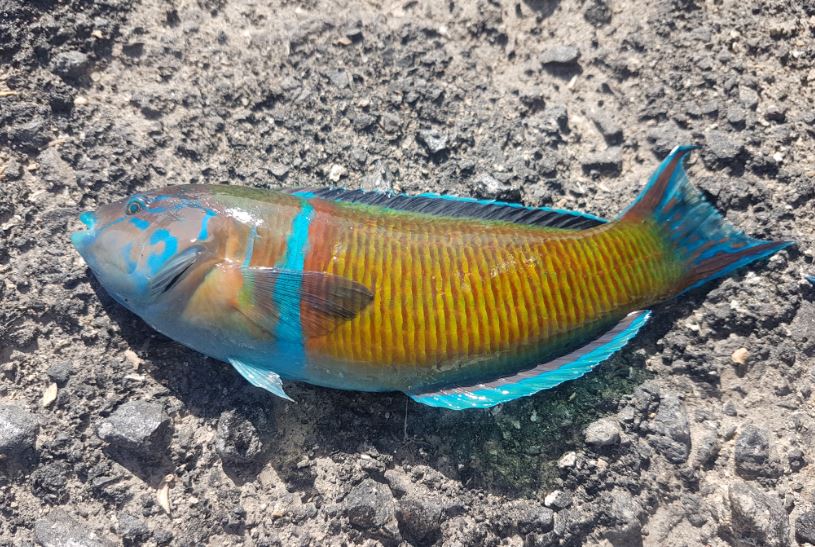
{"x":215,"y":305}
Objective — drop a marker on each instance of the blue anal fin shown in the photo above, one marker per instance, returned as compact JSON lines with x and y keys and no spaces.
{"x":544,"y":376}
{"x":260,"y":377}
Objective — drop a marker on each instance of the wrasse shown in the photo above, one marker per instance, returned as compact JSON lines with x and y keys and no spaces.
{"x":458,"y":303}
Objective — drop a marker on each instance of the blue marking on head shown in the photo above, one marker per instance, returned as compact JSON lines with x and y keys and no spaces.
{"x":157,"y":260}
{"x":140,"y":223}
{"x":204,"y":233}
{"x":127,"y":252}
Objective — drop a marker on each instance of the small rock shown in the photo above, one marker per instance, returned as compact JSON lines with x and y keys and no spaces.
{"x":722,"y":147}
{"x":775,"y":113}
{"x":485,"y":186}
{"x":805,"y":527}
{"x":18,"y":430}
{"x":603,"y":432}
{"x":626,"y":515}
{"x":610,"y":129}
{"x":132,"y":529}
{"x":433,"y":140}
{"x":597,"y":13}
{"x":567,"y":460}
{"x":560,"y":55}
{"x":59,"y":373}
{"x":529,"y":517}
{"x":279,"y":170}
{"x":370,"y":506}
{"x":336,"y":172}
{"x":752,"y":453}
{"x":736,"y":116}
{"x":671,"y":430}
{"x":707,"y":449}
{"x":55,"y":171}
{"x":12,"y":170}
{"x":141,"y":427}
{"x":419,"y":519}
{"x":796,"y":459}
{"x":558,"y":499}
{"x":757,"y":518}
{"x":607,"y":162}
{"x":31,"y":135}
{"x":58,"y":529}
{"x":740,"y":356}
{"x":237,"y":440}
{"x":748,"y":98}
{"x":70,"y":64}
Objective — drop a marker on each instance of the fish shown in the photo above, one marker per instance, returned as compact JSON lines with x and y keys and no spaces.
{"x":457,"y":302}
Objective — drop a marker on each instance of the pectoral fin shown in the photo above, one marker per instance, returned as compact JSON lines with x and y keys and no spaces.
{"x":292,"y":304}
{"x":260,"y":377}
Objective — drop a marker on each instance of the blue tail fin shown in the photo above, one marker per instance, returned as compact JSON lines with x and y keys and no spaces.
{"x":710,"y":245}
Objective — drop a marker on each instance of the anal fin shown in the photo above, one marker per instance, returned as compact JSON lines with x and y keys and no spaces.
{"x":544,"y":376}
{"x":260,"y":377}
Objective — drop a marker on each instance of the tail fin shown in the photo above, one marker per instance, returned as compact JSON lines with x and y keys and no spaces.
{"x":710,"y":245}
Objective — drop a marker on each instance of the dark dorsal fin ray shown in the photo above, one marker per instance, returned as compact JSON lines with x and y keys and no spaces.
{"x":452,"y":206}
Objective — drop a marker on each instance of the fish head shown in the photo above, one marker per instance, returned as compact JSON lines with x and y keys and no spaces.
{"x":144,"y":247}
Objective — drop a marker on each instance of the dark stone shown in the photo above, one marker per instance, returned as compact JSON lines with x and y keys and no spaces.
{"x":752,"y":453}
{"x":433,"y":140}
{"x":722,"y":147}
{"x":140,"y":427}
{"x":608,"y":162}
{"x":597,"y":13}
{"x":805,"y":527}
{"x":70,"y":64}
{"x":530,"y":517}
{"x":132,"y":530}
{"x":671,"y":430}
{"x":18,"y":430}
{"x":60,"y":373}
{"x":560,"y":55}
{"x":58,"y":529}
{"x":776,"y":113}
{"x":796,"y":459}
{"x":237,"y":440}
{"x":626,"y":515}
{"x":31,"y":135}
{"x":55,"y":171}
{"x":370,"y":506}
{"x":49,"y":482}
{"x":748,"y":98}
{"x":611,"y":130}
{"x":485,"y":186}
{"x":419,"y":519}
{"x":737,"y":117}
{"x":757,"y":518}
{"x":13,"y":170}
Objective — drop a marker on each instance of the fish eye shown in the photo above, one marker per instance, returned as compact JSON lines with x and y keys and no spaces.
{"x":134,"y":205}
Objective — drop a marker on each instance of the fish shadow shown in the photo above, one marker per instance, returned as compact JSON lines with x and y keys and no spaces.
{"x":510,"y":450}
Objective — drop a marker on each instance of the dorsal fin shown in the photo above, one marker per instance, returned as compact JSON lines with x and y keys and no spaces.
{"x":452,"y":206}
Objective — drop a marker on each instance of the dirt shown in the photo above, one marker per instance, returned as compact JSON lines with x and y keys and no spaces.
{"x":568,"y":104}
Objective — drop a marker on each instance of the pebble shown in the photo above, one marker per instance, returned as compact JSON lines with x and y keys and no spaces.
{"x":723,"y":147}
{"x":775,"y":113}
{"x":560,"y":55}
{"x":606,"y":162}
{"x":140,"y":427}
{"x":796,"y":459}
{"x":611,"y":130}
{"x":59,"y":373}
{"x":626,"y":515}
{"x":433,"y":140}
{"x":558,"y":499}
{"x":567,"y":460}
{"x":58,"y":529}
{"x":757,"y":518}
{"x":419,"y":519}
{"x":603,"y":432}
{"x":370,"y":506}
{"x":671,"y":430}
{"x":336,"y":172}
{"x":805,"y":527}
{"x":237,"y":440}
{"x":597,"y":13}
{"x":752,"y":453}
{"x":748,"y":98}
{"x":18,"y":430}
{"x":132,"y":529}
{"x":70,"y":64}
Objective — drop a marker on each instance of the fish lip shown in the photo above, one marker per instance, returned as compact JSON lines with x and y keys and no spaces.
{"x":82,"y":238}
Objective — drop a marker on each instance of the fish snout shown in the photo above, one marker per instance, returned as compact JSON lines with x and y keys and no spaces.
{"x":82,"y":238}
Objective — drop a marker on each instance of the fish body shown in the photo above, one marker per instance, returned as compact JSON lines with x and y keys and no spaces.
{"x":456,"y":302}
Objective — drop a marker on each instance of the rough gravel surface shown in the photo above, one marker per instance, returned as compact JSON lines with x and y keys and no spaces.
{"x":120,"y":436}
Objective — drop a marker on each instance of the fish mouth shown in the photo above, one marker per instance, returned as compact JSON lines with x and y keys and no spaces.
{"x":82,"y":238}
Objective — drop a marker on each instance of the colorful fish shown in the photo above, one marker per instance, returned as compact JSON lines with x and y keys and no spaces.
{"x":458,"y":303}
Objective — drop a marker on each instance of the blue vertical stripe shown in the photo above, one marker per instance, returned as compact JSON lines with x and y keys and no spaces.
{"x":250,"y":245}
